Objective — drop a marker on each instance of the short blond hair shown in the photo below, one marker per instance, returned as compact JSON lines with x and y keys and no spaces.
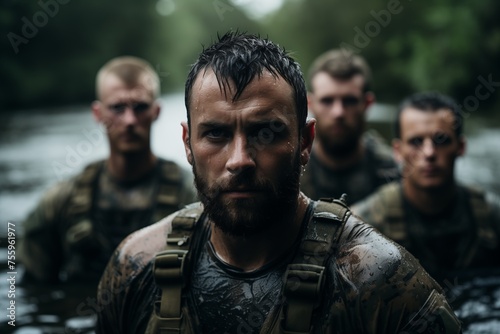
{"x":131,"y":71}
{"x":343,"y":65}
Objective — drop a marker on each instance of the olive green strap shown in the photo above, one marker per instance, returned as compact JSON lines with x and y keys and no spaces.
{"x":304,"y":277}
{"x":170,"y":271}
{"x":168,"y":274}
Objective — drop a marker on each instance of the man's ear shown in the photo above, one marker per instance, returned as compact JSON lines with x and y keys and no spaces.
{"x":396,"y":150}
{"x":156,"y":111}
{"x":310,"y":103}
{"x":96,"y":107}
{"x":462,"y":146}
{"x":186,"y":141}
{"x":307,"y":140}
{"x":369,"y":99}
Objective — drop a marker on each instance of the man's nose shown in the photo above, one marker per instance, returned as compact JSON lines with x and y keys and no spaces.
{"x":129,"y":116}
{"x":337,"y":108}
{"x":428,"y":148}
{"x":241,"y":156}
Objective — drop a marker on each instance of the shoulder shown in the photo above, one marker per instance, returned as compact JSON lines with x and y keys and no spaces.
{"x":375,"y":143}
{"x":375,"y":207}
{"x":383,"y":282}
{"x":369,"y":259}
{"x":172,"y":173}
{"x":137,"y":250}
{"x":171,"y":170}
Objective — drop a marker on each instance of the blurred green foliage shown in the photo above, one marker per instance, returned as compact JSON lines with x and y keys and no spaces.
{"x":443,"y":45}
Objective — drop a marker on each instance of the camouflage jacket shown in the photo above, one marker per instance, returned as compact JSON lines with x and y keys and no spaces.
{"x":372,"y":286}
{"x":375,"y":169}
{"x":466,"y":235}
{"x":72,"y":232}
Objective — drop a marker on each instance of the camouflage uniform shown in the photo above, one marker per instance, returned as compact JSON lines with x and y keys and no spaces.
{"x":376,"y":168}
{"x":371,"y":285}
{"x":465,"y":235}
{"x":76,"y":226}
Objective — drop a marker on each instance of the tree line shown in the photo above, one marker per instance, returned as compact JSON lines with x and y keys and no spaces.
{"x":52,"y":49}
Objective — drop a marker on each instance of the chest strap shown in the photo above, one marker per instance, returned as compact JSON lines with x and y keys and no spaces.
{"x":303,"y":280}
{"x":170,"y":271}
{"x":305,"y":276}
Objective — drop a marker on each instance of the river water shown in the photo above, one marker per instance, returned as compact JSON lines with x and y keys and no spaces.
{"x":40,"y":147}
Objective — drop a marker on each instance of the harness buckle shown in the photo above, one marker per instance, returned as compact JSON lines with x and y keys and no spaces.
{"x":168,"y":267}
{"x":303,"y":282}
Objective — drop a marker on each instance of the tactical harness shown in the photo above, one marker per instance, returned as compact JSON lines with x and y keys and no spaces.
{"x":392,"y":212}
{"x":303,"y":279}
{"x":78,"y":220}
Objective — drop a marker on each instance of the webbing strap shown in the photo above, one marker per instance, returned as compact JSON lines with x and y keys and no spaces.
{"x":305,"y":275}
{"x":170,"y":270}
{"x":168,"y":274}
{"x":302,"y":289}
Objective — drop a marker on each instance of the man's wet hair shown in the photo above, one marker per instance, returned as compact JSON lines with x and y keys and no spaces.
{"x":430,"y":102}
{"x":342,"y":65}
{"x":238,"y":58}
{"x":132,"y":71}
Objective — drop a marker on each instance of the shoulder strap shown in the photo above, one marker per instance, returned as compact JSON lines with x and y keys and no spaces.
{"x":304,"y":277}
{"x":80,"y":204}
{"x":171,"y":271}
{"x":169,"y":190}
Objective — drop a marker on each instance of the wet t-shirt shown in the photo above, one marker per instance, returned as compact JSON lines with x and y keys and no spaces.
{"x":371,"y":285}
{"x":228,"y":300}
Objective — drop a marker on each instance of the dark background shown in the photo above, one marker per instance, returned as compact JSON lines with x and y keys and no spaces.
{"x":51,"y":49}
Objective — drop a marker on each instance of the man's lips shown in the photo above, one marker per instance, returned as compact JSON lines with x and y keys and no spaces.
{"x":430,"y":171}
{"x":241,"y":193}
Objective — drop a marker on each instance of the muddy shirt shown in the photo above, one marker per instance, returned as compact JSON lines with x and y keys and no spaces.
{"x":449,"y":241}
{"x":372,"y":286}
{"x":376,"y":168}
{"x":73,"y":231}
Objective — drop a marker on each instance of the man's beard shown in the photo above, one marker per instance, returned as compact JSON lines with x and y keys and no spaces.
{"x":275,"y":202}
{"x":340,"y":147}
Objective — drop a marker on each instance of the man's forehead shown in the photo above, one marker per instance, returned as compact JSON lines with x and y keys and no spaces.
{"x":442,"y":119}
{"x":113,"y":84}
{"x":324,"y":81}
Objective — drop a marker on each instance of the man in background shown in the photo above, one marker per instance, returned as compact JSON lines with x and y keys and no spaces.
{"x":446,"y":225}
{"x":78,"y":223}
{"x":345,"y":158}
{"x":259,"y":256}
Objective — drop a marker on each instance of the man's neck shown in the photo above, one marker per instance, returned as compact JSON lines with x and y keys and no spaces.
{"x":336,"y":162}
{"x":429,"y":201}
{"x":130,"y":167}
{"x":251,"y":253}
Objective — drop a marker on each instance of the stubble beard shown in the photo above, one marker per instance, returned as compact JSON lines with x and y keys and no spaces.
{"x":250,"y":216}
{"x":337,"y":147}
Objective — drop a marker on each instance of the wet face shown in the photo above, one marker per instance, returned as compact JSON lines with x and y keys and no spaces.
{"x":246,"y":154}
{"x":428,"y":148}
{"x":127,"y":112}
{"x":339,"y":107}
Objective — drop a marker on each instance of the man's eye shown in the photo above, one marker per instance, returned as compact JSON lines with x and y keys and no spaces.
{"x":417,"y":142}
{"x":327,"y":101}
{"x":117,"y":108}
{"x":216,"y":134}
{"x":441,"y":139}
{"x":140,"y":107}
{"x":350,"y":101}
